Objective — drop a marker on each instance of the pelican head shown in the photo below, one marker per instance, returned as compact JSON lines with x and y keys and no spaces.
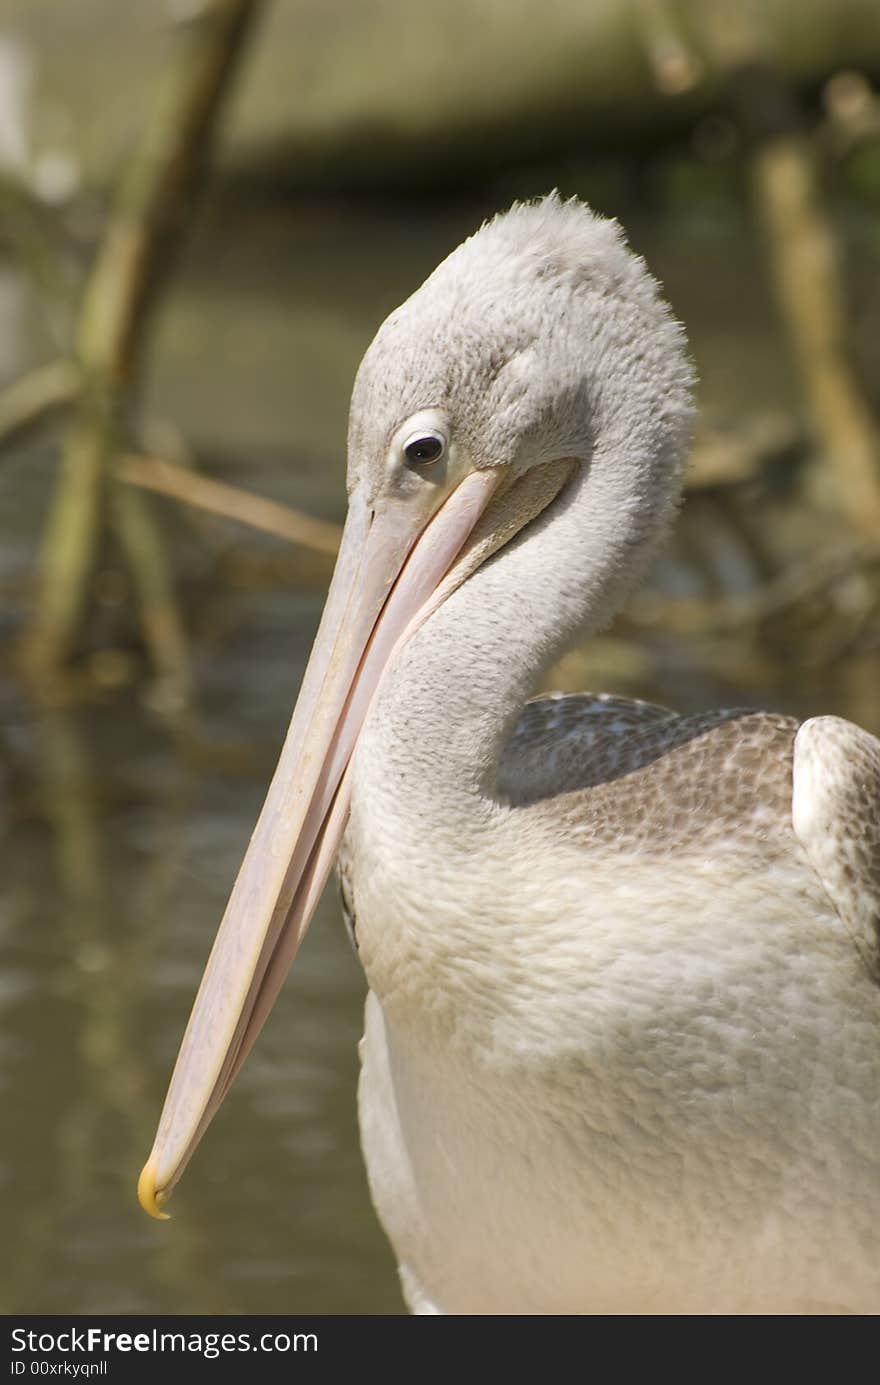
{"x":537,"y":362}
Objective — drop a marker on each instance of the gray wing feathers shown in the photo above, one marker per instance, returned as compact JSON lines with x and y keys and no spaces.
{"x":561,"y":735}
{"x":835,"y":811}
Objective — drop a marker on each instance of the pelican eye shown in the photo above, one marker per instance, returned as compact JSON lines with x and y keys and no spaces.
{"x":424,"y":448}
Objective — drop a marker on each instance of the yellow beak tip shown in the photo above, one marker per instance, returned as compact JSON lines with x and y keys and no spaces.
{"x":148,"y":1197}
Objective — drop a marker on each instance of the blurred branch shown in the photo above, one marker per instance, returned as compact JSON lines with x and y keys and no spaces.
{"x":218,"y":498}
{"x":853,"y":111}
{"x":675,"y":66}
{"x":780,"y":596}
{"x":144,"y":551}
{"x":803,"y":262}
{"x":147,"y":219}
{"x":35,"y":395}
{"x":726,"y":457}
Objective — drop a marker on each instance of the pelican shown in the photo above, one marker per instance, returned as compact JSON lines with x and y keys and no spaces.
{"x":622,"y":1034}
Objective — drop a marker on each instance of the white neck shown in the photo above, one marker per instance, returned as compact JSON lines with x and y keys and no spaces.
{"x":431,"y":745}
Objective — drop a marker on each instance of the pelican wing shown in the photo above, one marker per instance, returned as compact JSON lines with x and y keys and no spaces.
{"x":566,"y":741}
{"x":835,"y":812}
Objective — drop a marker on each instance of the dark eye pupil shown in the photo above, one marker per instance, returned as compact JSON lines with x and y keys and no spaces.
{"x":425,"y":449}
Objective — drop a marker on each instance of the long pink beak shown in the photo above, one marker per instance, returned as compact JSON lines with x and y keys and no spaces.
{"x":389,"y":568}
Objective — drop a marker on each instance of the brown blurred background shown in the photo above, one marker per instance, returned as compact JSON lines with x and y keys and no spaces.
{"x":206,"y":208}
